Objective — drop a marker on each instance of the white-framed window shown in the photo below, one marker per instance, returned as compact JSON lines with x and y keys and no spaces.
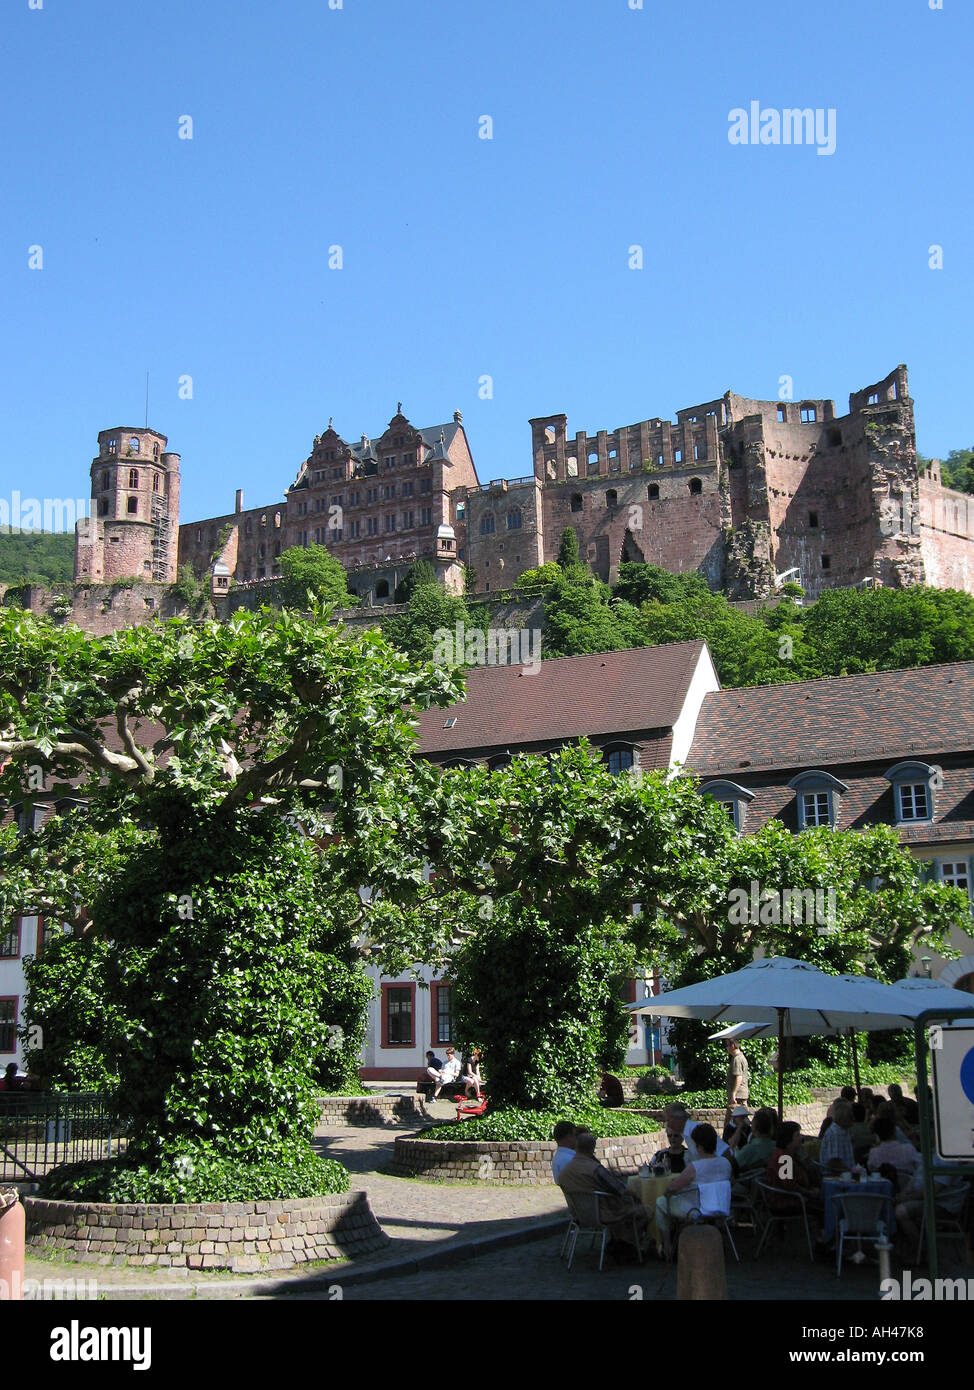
{"x":956,"y":873}
{"x":816,"y":809}
{"x":914,"y":801}
{"x":732,"y":798}
{"x":914,"y":785}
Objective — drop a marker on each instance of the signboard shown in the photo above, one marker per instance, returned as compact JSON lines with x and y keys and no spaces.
{"x":952,"y":1052}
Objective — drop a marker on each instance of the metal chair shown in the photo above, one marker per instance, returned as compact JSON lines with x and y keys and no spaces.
{"x":587,"y":1221}
{"x":744,"y":1200}
{"x":713,"y":1208}
{"x":771,"y":1217}
{"x":859,"y":1217}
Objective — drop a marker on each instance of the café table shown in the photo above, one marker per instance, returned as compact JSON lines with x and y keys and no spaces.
{"x":647,"y":1190}
{"x":831,"y":1187}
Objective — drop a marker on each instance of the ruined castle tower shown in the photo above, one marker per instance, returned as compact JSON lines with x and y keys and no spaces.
{"x":133,"y":530}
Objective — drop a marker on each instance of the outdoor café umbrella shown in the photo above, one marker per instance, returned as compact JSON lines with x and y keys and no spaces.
{"x":923,"y":994}
{"x":790,"y":998}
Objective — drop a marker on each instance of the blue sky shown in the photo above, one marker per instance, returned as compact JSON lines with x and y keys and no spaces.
{"x":465,"y":257}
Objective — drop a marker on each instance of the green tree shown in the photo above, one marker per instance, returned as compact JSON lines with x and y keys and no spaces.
{"x":232,"y":933}
{"x":313,"y":570}
{"x":568,"y":549}
{"x":419,"y":573}
{"x":957,"y":470}
{"x":431,"y":609}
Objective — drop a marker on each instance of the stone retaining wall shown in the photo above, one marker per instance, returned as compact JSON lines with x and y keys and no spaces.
{"x":809,"y":1116}
{"x":245,"y":1237}
{"x":375,"y":1111}
{"x":520,"y":1163}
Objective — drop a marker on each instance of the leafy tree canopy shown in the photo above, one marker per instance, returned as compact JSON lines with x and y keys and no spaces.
{"x":312,"y":569}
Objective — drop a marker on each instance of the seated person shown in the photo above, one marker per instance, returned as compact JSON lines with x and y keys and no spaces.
{"x":788,"y":1173}
{"x":862,"y":1136}
{"x":753,"y":1157}
{"x":610,"y":1092}
{"x":706,"y":1171}
{"x":949,"y":1195}
{"x":564,"y":1135}
{"x":445,"y":1075}
{"x":472,"y":1078}
{"x":903,"y":1157}
{"x":836,"y":1154}
{"x":677,"y":1120}
{"x":619,"y":1208}
{"x":887,"y":1108}
{"x":673,"y":1158}
{"x":10,"y":1081}
{"x":737,"y":1131}
{"x":433,"y":1068}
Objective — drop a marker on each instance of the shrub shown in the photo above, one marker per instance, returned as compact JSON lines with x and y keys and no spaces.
{"x":504,"y":1126}
{"x":202,"y":1175}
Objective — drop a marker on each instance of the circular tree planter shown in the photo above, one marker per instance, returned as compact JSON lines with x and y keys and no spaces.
{"x":519,"y":1163}
{"x":245,"y":1237}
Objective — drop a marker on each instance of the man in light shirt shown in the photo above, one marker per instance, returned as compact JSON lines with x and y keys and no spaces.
{"x":677,"y":1121}
{"x":447,"y":1074}
{"x":836,"y":1153}
{"x":564,"y":1135}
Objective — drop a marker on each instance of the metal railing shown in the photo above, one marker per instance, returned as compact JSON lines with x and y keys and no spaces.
{"x":39,"y":1131}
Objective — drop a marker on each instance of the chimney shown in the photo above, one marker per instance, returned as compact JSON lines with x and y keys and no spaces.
{"x":238,"y":505}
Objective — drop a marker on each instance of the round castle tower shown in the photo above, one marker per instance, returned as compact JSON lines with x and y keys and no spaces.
{"x":133,"y":530}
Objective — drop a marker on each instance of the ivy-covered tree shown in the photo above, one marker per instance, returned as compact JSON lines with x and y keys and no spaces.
{"x":233,"y":979}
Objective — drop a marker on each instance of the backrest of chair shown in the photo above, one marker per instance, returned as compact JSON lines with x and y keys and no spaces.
{"x":715,"y":1198}
{"x":584,"y":1207}
{"x":860,"y":1211}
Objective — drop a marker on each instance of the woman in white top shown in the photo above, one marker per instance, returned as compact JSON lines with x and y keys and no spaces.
{"x":706,"y":1171}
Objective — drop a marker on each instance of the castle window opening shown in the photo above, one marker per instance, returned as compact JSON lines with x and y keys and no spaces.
{"x":677,"y":455}
{"x":808,"y":415}
{"x":826,"y":562}
{"x":133,"y":477}
{"x":199,"y":534}
{"x":277,"y":519}
{"x":133,"y":505}
{"x":103,"y":506}
{"x":549,"y":435}
{"x":133,"y":445}
{"x":487,"y":524}
{"x":873,"y":399}
{"x":611,"y":498}
{"x":696,"y":487}
{"x":155,"y":482}
{"x":782,"y":414}
{"x":514,"y":519}
{"x":613,"y":453}
{"x":835,"y":438}
{"x":653,"y":492}
{"x":106,"y":480}
{"x":576,"y":501}
{"x":112,"y":446}
{"x":155,"y":451}
{"x":813,"y":520}
{"x":699,"y":451}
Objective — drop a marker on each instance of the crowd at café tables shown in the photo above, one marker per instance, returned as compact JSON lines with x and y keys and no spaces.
{"x":756,"y":1156}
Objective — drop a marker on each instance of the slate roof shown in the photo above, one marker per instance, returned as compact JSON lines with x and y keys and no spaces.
{"x":840,"y":719}
{"x":640,"y":690}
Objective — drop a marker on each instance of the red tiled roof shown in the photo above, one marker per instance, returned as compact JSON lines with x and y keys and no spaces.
{"x":636,"y":690}
{"x":841,"y":719}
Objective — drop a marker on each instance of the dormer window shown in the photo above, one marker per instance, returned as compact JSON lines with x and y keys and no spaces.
{"x":819,"y":795}
{"x":913,"y":789}
{"x":733,"y":798}
{"x":620,"y":759}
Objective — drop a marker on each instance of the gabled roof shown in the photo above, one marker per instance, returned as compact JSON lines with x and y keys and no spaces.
{"x":631,"y":691}
{"x":840,"y":719}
